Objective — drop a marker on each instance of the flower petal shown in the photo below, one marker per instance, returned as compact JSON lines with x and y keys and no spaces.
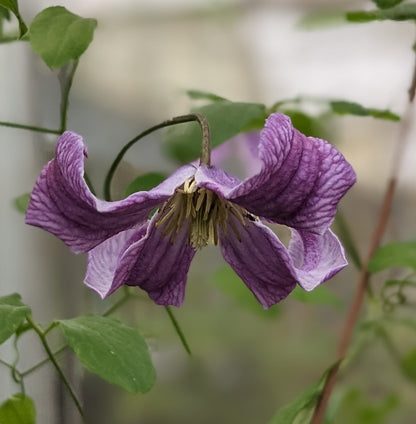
{"x":260,"y":259}
{"x":316,"y":257}
{"x":157,"y":265}
{"x":62,"y":203}
{"x":104,"y":259}
{"x":301,"y":181}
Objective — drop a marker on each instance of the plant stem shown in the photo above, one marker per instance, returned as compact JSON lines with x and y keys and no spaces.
{"x":66,"y":77}
{"x":178,"y":330}
{"x":41,"y":363}
{"x":364,"y":277}
{"x":205,"y":154}
{"x":30,"y":128}
{"x":52,"y":358}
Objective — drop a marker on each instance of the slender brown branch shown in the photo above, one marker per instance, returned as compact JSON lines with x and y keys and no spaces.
{"x":364,"y":277}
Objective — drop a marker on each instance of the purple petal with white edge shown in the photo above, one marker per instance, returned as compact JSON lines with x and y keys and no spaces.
{"x":103,"y":261}
{"x":62,"y":203}
{"x":157,"y":265}
{"x":301,"y":181}
{"x":316,"y":257}
{"x":260,"y":259}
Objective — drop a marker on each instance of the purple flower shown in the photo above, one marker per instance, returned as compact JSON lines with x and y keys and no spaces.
{"x":299,"y":185}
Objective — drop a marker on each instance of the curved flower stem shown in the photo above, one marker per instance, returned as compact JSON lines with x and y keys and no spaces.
{"x":52,"y":358}
{"x":66,"y":77}
{"x":43,"y":362}
{"x":178,"y":330}
{"x":379,"y":231}
{"x":205,"y":154}
{"x":30,"y":128}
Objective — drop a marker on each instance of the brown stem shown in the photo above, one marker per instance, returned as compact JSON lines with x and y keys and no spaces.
{"x":379,"y":230}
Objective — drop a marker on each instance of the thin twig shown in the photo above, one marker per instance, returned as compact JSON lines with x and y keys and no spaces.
{"x":178,"y":330}
{"x":30,"y":128}
{"x":379,"y":231}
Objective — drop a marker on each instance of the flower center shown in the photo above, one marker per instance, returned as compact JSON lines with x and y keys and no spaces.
{"x":203,"y":211}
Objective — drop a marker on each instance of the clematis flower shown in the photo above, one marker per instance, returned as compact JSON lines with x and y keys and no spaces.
{"x":299,"y":185}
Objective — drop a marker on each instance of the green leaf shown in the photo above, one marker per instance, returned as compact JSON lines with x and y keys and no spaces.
{"x":22,"y":202}
{"x":320,"y":295}
{"x":145,"y":182}
{"x":13,"y":6}
{"x":226,"y":119}
{"x":408,"y":365}
{"x":385,"y":4}
{"x":12,"y":314}
{"x":231,"y":284}
{"x":18,"y":409}
{"x":350,"y":108}
{"x":59,"y":36}
{"x":398,"y":254}
{"x":304,"y":123}
{"x":401,"y":12}
{"x":204,"y":95}
{"x":114,"y":351}
{"x":300,"y":410}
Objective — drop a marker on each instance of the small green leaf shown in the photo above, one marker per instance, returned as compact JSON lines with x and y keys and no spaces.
{"x":300,"y":410}
{"x":114,"y":351}
{"x":204,"y":95}
{"x":350,"y":108}
{"x":231,"y":284}
{"x":408,"y":365}
{"x":13,"y":6}
{"x":12,"y":314}
{"x":304,"y":123}
{"x":59,"y":36}
{"x":226,"y":119}
{"x":21,"y":203}
{"x":398,"y":254}
{"x":320,"y":295}
{"x":145,"y":182}
{"x":401,"y":12}
{"x":18,"y":409}
{"x":385,"y":4}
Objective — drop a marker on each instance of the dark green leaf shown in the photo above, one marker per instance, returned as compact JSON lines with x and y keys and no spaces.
{"x":347,"y":240}
{"x":4,"y":13}
{"x":12,"y":314}
{"x":385,"y":4}
{"x":59,"y":36}
{"x":226,"y":119}
{"x":13,"y":6}
{"x":114,"y":351}
{"x":408,"y":365}
{"x":320,"y":295}
{"x":21,"y":203}
{"x":231,"y":284}
{"x":398,"y":254}
{"x":401,"y":12}
{"x":301,"y":409}
{"x":145,"y":182}
{"x":350,"y":108}
{"x":304,"y":123}
{"x":18,"y":409}
{"x":204,"y":95}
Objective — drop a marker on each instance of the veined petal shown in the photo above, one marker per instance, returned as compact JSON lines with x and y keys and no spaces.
{"x":104,"y":259}
{"x":62,"y":203}
{"x":260,"y":259}
{"x":157,"y":265}
{"x":316,"y":257}
{"x":301,"y":181}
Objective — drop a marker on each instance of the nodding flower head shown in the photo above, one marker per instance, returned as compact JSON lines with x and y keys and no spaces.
{"x":299,"y":184}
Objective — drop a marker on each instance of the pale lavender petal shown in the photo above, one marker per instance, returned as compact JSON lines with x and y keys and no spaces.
{"x":103,"y":261}
{"x":157,"y":265}
{"x":316,"y":257}
{"x":260,"y":260}
{"x":301,"y":181}
{"x":62,"y":203}
{"x":216,"y":180}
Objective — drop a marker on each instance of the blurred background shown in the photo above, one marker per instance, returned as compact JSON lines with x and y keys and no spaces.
{"x":246,"y":363}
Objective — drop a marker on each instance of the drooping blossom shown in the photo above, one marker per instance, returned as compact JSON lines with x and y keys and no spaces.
{"x":299,"y":185}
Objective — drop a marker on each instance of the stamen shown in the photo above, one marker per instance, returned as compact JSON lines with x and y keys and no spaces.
{"x":202,"y":211}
